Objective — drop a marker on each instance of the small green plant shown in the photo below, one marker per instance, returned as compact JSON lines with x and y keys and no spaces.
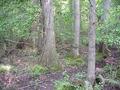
{"x":2,"y":70}
{"x":55,"y":68}
{"x":64,"y":85}
{"x":81,"y":75}
{"x":68,"y":84}
{"x":112,"y":74}
{"x":38,"y":69}
{"x":5,"y":68}
{"x":110,"y":71}
{"x":98,"y":87}
{"x":99,"y":56}
{"x":118,"y":73}
{"x":74,"y":61}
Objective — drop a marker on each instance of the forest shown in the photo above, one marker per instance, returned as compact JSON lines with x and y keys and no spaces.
{"x":59,"y":44}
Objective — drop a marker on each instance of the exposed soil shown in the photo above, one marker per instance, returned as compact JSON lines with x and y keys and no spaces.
{"x":42,"y":82}
{"x":22,"y":80}
{"x":27,"y":82}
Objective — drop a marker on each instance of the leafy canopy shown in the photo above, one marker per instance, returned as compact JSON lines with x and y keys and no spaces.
{"x":16,"y":18}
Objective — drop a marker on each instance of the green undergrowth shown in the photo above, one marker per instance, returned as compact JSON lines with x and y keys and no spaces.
{"x":99,"y":56}
{"x":112,"y":73}
{"x":5,"y":68}
{"x":118,"y":73}
{"x":74,"y":61}
{"x":66,"y":84}
{"x":37,"y":70}
{"x":78,"y":83}
{"x":55,"y":68}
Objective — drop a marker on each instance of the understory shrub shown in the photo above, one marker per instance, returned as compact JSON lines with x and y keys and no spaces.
{"x":68,"y":84}
{"x":5,"y":68}
{"x":37,"y":70}
{"x":74,"y":61}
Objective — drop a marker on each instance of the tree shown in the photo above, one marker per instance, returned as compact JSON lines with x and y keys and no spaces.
{"x":76,"y":12}
{"x":106,"y":7}
{"x":49,"y":54}
{"x":91,"y":47}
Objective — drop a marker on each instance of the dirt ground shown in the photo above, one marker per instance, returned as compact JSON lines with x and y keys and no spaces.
{"x":22,"y":80}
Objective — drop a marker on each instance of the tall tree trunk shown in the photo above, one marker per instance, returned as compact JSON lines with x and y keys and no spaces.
{"x":76,"y":12}
{"x":106,"y":7}
{"x":91,"y":47}
{"x":49,"y":54}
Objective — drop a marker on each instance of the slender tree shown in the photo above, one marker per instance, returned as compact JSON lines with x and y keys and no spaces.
{"x":91,"y":47}
{"x":76,"y":12}
{"x":49,"y":54}
{"x":106,"y":7}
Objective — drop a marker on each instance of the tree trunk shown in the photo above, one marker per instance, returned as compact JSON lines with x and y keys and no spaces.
{"x":49,"y":55}
{"x":76,"y":13}
{"x":106,"y":6}
{"x":91,"y":47}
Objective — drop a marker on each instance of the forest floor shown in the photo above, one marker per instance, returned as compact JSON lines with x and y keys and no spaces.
{"x":25,"y":81}
{"x":21,"y":79}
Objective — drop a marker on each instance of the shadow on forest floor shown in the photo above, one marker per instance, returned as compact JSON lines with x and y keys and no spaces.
{"x":20,"y":79}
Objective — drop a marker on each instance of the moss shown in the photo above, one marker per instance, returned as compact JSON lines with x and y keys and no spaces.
{"x":5,"y":68}
{"x":2,"y":70}
{"x":55,"y":68}
{"x":68,"y":87}
{"x":74,"y":61}
{"x":118,"y":73}
{"x":38,"y":69}
{"x":64,"y":85}
{"x":99,"y":56}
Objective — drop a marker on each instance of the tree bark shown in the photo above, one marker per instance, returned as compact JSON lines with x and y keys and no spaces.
{"x":49,"y":55}
{"x":76,"y":12}
{"x":106,"y":7}
{"x":91,"y":47}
